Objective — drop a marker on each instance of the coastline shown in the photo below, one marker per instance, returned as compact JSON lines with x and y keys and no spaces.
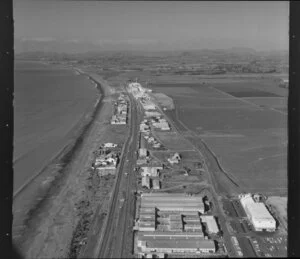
{"x":39,"y":192}
{"x":63,"y":155}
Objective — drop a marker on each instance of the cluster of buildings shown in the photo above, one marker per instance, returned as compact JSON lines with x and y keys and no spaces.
{"x":257,"y":213}
{"x":160,"y":123}
{"x":150,"y":108}
{"x":172,"y":224}
{"x":150,"y":177}
{"x":121,"y":111}
{"x":107,"y":159}
{"x":149,"y":183}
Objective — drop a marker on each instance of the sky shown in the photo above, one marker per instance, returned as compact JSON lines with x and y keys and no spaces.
{"x":261,"y":25}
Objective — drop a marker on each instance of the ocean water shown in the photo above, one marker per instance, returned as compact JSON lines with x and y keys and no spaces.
{"x":49,"y":103}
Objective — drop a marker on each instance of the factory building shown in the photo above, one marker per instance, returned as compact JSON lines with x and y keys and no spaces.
{"x":156,"y":184}
{"x":211,"y":224}
{"x":151,"y":171}
{"x":142,"y":152}
{"x":257,"y":213}
{"x":147,"y":226}
{"x":146,"y":181}
{"x":170,"y":246}
{"x":172,"y":202}
{"x":109,"y":145}
{"x":152,"y":114}
{"x":170,"y":224}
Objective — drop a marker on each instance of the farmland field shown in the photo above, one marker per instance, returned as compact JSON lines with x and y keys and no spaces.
{"x":173,"y":141}
{"x":244,"y":123}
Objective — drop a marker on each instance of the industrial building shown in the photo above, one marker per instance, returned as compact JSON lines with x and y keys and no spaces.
{"x":120,"y":115}
{"x":170,"y":224}
{"x":146,"y":181}
{"x":151,"y":171}
{"x":172,"y":202}
{"x":106,"y":160}
{"x":142,"y":152}
{"x":175,"y":245}
{"x":257,"y":213}
{"x":211,"y":224}
{"x":156,"y":184}
{"x":109,"y":145}
{"x":152,"y":114}
{"x":141,"y":161}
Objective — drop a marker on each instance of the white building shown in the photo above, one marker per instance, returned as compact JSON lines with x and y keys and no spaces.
{"x":151,"y":171}
{"x":142,"y":152}
{"x":175,"y":159}
{"x":258,"y":214}
{"x":211,"y":224}
{"x":109,"y":145}
{"x":156,"y":184}
{"x":146,"y":181}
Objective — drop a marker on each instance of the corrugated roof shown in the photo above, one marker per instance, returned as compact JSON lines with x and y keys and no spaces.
{"x":181,"y":244}
{"x":259,"y":211}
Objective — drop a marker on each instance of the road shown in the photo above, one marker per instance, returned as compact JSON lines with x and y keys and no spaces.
{"x":119,"y":219}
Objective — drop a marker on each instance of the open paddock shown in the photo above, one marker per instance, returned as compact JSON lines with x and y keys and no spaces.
{"x":195,"y":102}
{"x":241,"y":92}
{"x":189,"y":90}
{"x":268,"y":102}
{"x":227,"y":119}
{"x":190,"y":156}
{"x":164,"y":100}
{"x":173,"y":89}
{"x":173,"y":141}
{"x":254,"y":159}
{"x":247,"y":135}
{"x":279,"y":205}
{"x":263,"y":87}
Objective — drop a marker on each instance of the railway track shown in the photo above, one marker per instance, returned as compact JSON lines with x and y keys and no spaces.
{"x":105,"y":241}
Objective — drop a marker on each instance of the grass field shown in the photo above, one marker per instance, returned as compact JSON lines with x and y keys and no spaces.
{"x":280,"y":206}
{"x":243,"y":121}
{"x":173,"y":141}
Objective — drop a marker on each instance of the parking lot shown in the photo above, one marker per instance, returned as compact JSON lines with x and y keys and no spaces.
{"x":270,"y":246}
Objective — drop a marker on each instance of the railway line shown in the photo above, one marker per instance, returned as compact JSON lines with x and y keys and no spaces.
{"x":112,"y":241}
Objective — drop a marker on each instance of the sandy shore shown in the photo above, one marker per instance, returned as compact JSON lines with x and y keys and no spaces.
{"x":45,"y":212}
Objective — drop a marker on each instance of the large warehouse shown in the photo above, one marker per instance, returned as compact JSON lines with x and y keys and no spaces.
{"x":172,"y":202}
{"x":258,"y":214}
{"x":175,"y":245}
{"x":170,"y":223}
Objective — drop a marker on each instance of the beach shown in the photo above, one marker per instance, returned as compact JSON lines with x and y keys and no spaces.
{"x":51,"y":106}
{"x":46,"y":208}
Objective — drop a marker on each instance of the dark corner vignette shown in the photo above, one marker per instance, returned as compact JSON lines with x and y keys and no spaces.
{"x":6,"y":128}
{"x":293,"y":131}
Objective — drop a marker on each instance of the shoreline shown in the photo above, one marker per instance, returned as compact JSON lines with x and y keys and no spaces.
{"x":38,"y":194}
{"x":64,"y":153}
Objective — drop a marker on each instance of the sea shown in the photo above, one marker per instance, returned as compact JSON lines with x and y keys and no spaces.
{"x":50,"y":102}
